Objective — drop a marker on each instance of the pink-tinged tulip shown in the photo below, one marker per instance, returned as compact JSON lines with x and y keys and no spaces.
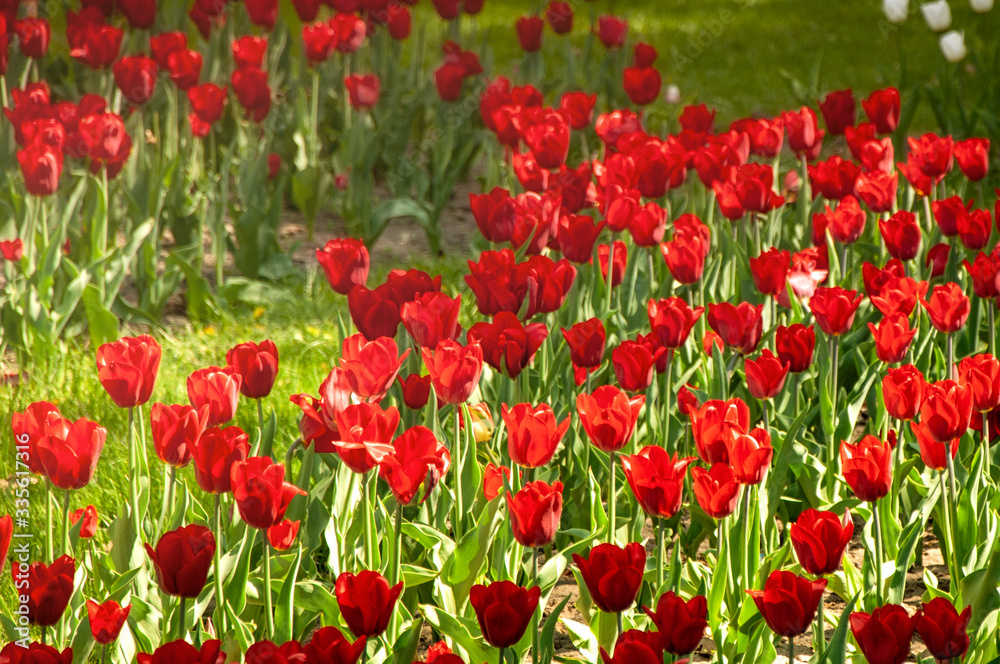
{"x":217,"y":390}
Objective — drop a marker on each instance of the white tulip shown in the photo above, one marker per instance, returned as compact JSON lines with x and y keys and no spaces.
{"x":981,"y":6}
{"x":937,"y":14}
{"x":672,"y":94}
{"x":895,"y":10}
{"x":953,"y":45}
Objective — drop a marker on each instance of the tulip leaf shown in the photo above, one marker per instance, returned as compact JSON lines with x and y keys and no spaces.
{"x":836,"y":650}
{"x":416,"y":576}
{"x":285,"y":611}
{"x":718,"y":590}
{"x":236,"y":589}
{"x":102,"y":324}
{"x":404,"y":650}
{"x":463,"y":567}
{"x":720,"y":377}
{"x":547,"y":638}
{"x":458,"y":630}
{"x":907,"y":548}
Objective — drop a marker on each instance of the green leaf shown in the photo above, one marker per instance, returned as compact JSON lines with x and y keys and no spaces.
{"x":457,"y":630}
{"x":285,"y":614}
{"x":547,"y":639}
{"x":907,"y":549}
{"x":102,"y":324}
{"x":836,"y":651}
{"x":404,"y":650}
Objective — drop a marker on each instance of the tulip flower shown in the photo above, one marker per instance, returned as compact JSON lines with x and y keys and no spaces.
{"x":834,"y":309}
{"x":533,"y":433}
{"x":883,"y":635}
{"x":903,"y":392}
{"x":642,"y":82}
{"x":714,"y":424}
{"x":253,"y":93}
{"x":579,"y":106}
{"x":33,"y":35}
{"x":184,"y":66}
{"x":947,"y":409}
{"x":68,"y":451}
{"x":504,"y":611}
{"x":820,"y":539}
{"x":804,"y":133}
{"x":972,"y":156}
{"x":947,"y":307}
{"x":796,"y":346}
{"x":766,"y":375}
{"x":497,"y":282}
{"x":136,"y":78}
{"x":740,"y":326}
{"x":261,"y":492}
{"x":106,"y":620}
{"x":882,"y":108}
{"x":877,"y":189}
{"x":535,"y":511}
{"x":750,"y":456}
{"x":982,"y":374}
{"x":30,"y":426}
{"x":838,"y":109}
{"x":127,"y":369}
{"x":671,"y":320}
{"x":176,"y":430}
{"x":366,"y":601}
{"x":182,"y":558}
{"x":901,"y":235}
{"x":612,"y":30}
{"x":216,"y":389}
{"x":893,"y":337}
{"x":345,"y":262}
{"x":493,"y":480}
{"x":454,"y":370}
{"x":867,"y":467}
{"x":613,"y":574}
{"x":943,"y":629}
{"x":717,"y":490}
{"x":180,"y":651}
{"x":788,"y":602}
{"x":633,"y":364}
{"x":635,"y":647}
{"x":416,"y":463}
{"x":365,"y":431}
{"x":282,"y":535}
{"x":529,"y":33}
{"x":770,"y":271}
{"x":48,"y":589}
{"x":508,"y":345}
{"x":371,"y":366}
{"x":494,"y":214}
{"x":89,"y":517}
{"x":328,"y":644}
{"x":257,"y":365}
{"x":363,"y":91}
{"x":41,"y":165}
{"x":609,"y":416}
{"x":680,"y":624}
{"x":656,"y":479}
{"x":6,"y":534}
{"x":586,"y":343}
{"x":933,"y":453}
{"x":215,"y":454}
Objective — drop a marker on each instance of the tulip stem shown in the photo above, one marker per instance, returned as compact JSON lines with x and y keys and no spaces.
{"x":805,"y":193}
{"x":660,"y":553}
{"x":65,"y":525}
{"x":220,"y":609}
{"x":953,"y":504}
{"x":268,"y":609}
{"x":49,"y":544}
{"x":133,"y":479}
{"x":821,"y":631}
{"x":104,"y":655}
{"x":621,"y":625}
{"x":986,"y":446}
{"x":951,"y":357}
{"x":180,"y":618}
{"x":791,"y":650}
{"x":265,"y":451}
{"x":949,"y":534}
{"x":610,"y":279}
{"x":366,"y":520}
{"x":991,"y":330}
{"x":535,"y":636}
{"x":745,"y":549}
{"x":877,"y":523}
{"x":831,"y":452}
{"x":611,"y":501}
{"x":500,"y":658}
{"x":667,"y":402}
{"x":456,"y":524}
{"x":396,"y":562}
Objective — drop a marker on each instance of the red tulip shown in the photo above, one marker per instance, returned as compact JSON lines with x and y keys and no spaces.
{"x":983,"y":273}
{"x":656,"y":479}
{"x":257,"y":365}
{"x":263,"y":13}
{"x":375,"y":312}
{"x":12,"y":250}
{"x":717,"y":490}
{"x":796,"y":346}
{"x":867,"y":467}
{"x":363,"y":91}
{"x":349,"y":32}
{"x":642,"y":82}
{"x":371,"y":366}
{"x":770,"y":271}
{"x":901,"y":235}
{"x":328,"y":644}
{"x":318,"y":42}
{"x":612,"y":30}
{"x":884,"y":635}
{"x":973,"y":157}
{"x":497,"y":282}
{"x":508,"y":345}
{"x":820,"y":539}
{"x":838,"y":110}
{"x":804,"y":134}
{"x":685,"y":259}
{"x":579,"y":107}
{"x":416,"y":461}
{"x":893,"y":337}
{"x":750,"y":456}
{"x":182,"y":558}
{"x":165,"y":43}
{"x":634,"y":363}
{"x":366,"y":601}
{"x":6,"y":534}
{"x":534,"y":513}
{"x":215,"y":454}
{"x":282,"y":535}
{"x":533,"y":434}
{"x":432,"y":318}
{"x":834,"y":309}
{"x":882,"y":109}
{"x":529,"y":33}
{"x":33,"y":35}
{"x":620,"y":260}
{"x":399,"y":22}
{"x":47,"y":589}
{"x":933,"y":453}
{"x":207,"y":102}
{"x":948,"y":307}
{"x":937,"y":259}
{"x":833,"y":178}
{"x":216,"y":389}
{"x":181,"y":652}
{"x":679,"y":624}
{"x":947,"y":409}
{"x":982,"y":374}
{"x":454,"y":369}
{"x":41,"y":165}
{"x":68,"y":452}
{"x":493,"y":480}
{"x":249,"y":51}
{"x":560,"y":17}
{"x":127,"y":369}
{"x":176,"y":430}
{"x":261,"y":492}
{"x":253,"y":93}
{"x":903,"y":392}
{"x":765,"y":375}
{"x":106,"y":620}
{"x":495,"y":214}
{"x":365,"y":432}
{"x":613,"y":574}
{"x":504,"y":611}
{"x":90,"y":521}
{"x":933,"y":155}
{"x":136,"y":77}
{"x":31,"y":426}
{"x":788,"y":602}
{"x":714,"y":424}
{"x":608,"y":416}
{"x":671,"y":320}
{"x":943,"y":629}
{"x":739,"y":326}
{"x":586,"y":342}
{"x":99,"y":45}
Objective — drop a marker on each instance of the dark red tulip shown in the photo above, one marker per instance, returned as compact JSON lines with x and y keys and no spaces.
{"x":754,"y":188}
{"x":765,"y":375}
{"x":41,"y":165}
{"x":208,"y":101}
{"x":946,"y":410}
{"x":504,"y":611}
{"x":549,"y":282}
{"x":127,"y":369}
{"x":634,"y":363}
{"x":366,"y":601}
{"x":882,"y":109}
{"x":318,"y":42}
{"x":608,"y":416}
{"x":847,"y":222}
{"x":796,"y":346}
{"x":136,"y":77}
{"x":261,"y":492}
{"x":642,"y":82}
{"x":529,"y":33}
{"x":820,"y":539}
{"x":656,"y":479}
{"x":717,"y":490}
{"x":943,"y":629}
{"x":612,"y":31}
{"x":262,"y":13}
{"x":750,"y":456}
{"x":371,"y":366}
{"x":48,"y":589}
{"x":560,"y":16}
{"x":363,"y":91}
{"x":508,"y":345}
{"x":671,"y":320}
{"x":697,"y":119}
{"x":586,"y":341}
{"x":974,"y":229}
{"x":937,"y":259}
{"x":282,"y":536}
{"x":973,"y":157}
{"x":838,"y":109}
{"x":685,"y":258}
{"x":216,"y":389}
{"x":328,"y":644}
{"x":68,"y":451}
{"x":884,"y":635}
{"x":249,"y":51}
{"x":932,"y":453}
{"x":648,"y":225}
{"x":495,"y":214}
{"x":533,"y":433}
{"x":948,"y":212}
{"x":947,"y":307}
{"x":454,"y":369}
{"x":33,"y":35}
{"x":833,"y":178}
{"x":892,"y":337}
{"x":257,"y":365}
{"x":613,"y":574}
{"x":983,"y":272}
{"x":739,"y":326}
{"x":679,"y":624}
{"x":375,"y":312}
{"x":788,"y":602}
{"x":535,"y":511}
{"x":415,"y":464}
{"x":182,"y":652}
{"x":635,"y":647}
{"x":106,"y":620}
{"x":99,"y":45}
{"x":399,"y":22}
{"x":165,"y":43}
{"x":867,"y":467}
{"x":182,"y":559}
{"x":349,"y":32}
{"x":901,"y":235}
{"x":547,"y":134}
{"x":215,"y":454}
{"x":714,"y":424}
{"x":253,"y":93}
{"x":90,"y":521}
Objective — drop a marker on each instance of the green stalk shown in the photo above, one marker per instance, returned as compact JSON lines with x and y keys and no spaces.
{"x":821,"y":622}
{"x":791,"y":650}
{"x":878,"y":553}
{"x":456,"y":524}
{"x":666,"y":398}
{"x":949,"y":534}
{"x":610,"y":278}
{"x":953,"y":504}
{"x":366,"y":521}
{"x":805,"y":191}
{"x":268,"y":608}
{"x":260,"y":424}
{"x":611,"y":502}
{"x":992,"y":330}
{"x":65,"y":525}
{"x":831,"y":451}
{"x":181,"y":621}
{"x":220,"y":610}
{"x":535,"y":619}
{"x":49,"y":544}
{"x":396,"y":564}
{"x":133,"y":480}
{"x":660,"y":553}
{"x":951,"y":359}
{"x":745,"y":552}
